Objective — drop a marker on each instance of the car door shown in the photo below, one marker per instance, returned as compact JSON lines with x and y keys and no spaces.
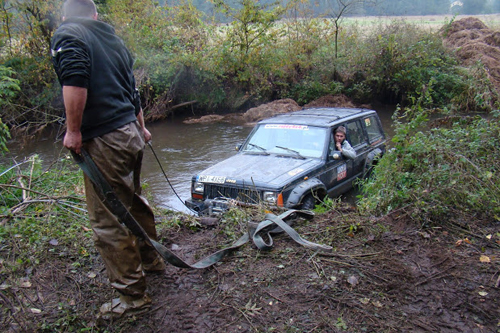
{"x":336,"y":171}
{"x":358,"y":140}
{"x":373,"y":128}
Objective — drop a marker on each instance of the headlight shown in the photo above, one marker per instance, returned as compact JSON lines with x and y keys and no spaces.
{"x":198,"y":187}
{"x":269,"y":197}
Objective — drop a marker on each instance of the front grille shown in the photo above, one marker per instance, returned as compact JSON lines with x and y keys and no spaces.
{"x":241,"y":194}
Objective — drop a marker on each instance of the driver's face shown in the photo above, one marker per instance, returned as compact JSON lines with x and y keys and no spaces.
{"x":339,"y":137}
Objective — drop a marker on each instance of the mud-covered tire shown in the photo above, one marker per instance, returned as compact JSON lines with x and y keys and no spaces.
{"x":308,"y":203}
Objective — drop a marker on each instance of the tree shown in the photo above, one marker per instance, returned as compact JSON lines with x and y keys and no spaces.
{"x":341,"y":8}
{"x":250,"y":22}
{"x":410,"y":7}
{"x":26,"y":29}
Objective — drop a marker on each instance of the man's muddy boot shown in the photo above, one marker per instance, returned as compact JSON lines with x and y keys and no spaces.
{"x":156,"y":267}
{"x":125,"y":306}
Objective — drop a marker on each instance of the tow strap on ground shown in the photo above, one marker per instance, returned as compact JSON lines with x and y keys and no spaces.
{"x":271,"y":224}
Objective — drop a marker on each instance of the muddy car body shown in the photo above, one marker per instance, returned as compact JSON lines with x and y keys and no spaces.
{"x":290,"y":160}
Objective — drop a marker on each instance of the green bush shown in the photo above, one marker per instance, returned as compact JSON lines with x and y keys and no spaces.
{"x":438,"y":172}
{"x":45,"y":210}
{"x":308,"y":90}
{"x":405,"y":61}
{"x":9,"y":88}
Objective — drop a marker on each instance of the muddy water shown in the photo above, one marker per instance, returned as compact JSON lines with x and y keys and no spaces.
{"x":182,"y":150}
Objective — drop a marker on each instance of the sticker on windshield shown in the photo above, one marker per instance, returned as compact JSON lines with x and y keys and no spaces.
{"x":212,"y":179}
{"x":284,"y":126}
{"x":295,"y":171}
{"x":341,"y":171}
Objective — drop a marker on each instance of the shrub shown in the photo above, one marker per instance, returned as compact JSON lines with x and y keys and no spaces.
{"x":438,"y":171}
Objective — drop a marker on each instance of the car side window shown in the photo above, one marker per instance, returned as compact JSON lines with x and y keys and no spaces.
{"x":373,"y":128}
{"x":355,"y":133}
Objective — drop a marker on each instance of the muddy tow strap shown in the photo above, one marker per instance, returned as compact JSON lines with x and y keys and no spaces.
{"x":271,"y":224}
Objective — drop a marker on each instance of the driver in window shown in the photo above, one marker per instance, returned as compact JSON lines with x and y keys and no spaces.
{"x":342,"y":144}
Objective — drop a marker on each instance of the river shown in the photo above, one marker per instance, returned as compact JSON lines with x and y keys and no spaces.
{"x":182,"y":150}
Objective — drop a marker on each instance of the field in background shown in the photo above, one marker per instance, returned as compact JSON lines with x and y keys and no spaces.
{"x":434,"y":22}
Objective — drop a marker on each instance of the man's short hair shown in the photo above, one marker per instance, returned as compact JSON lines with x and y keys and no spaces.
{"x":79,"y":8}
{"x":341,"y":129}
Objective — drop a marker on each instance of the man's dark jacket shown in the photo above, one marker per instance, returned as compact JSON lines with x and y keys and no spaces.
{"x":87,"y":53}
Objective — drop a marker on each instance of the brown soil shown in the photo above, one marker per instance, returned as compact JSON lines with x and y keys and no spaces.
{"x":252,"y":115}
{"x":473,"y":42}
{"x":340,"y":100}
{"x":385,"y":275}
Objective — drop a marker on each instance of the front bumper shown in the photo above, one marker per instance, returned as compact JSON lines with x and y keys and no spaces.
{"x":210,"y":206}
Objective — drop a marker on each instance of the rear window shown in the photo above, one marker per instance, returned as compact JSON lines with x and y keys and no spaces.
{"x":373,"y":128}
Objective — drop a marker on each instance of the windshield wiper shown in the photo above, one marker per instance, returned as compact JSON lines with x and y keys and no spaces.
{"x":292,"y":151}
{"x":264,"y":150}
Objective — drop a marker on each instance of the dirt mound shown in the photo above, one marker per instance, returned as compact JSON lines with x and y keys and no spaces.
{"x":474,"y":41}
{"x":271,"y":109}
{"x":210,"y":118}
{"x":252,"y":115}
{"x":331,"y":101}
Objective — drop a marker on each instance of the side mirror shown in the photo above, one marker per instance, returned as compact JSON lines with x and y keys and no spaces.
{"x":238,"y":147}
{"x":336,"y":155}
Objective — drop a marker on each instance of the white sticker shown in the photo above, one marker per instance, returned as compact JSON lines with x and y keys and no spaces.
{"x":341,"y":171}
{"x":285,"y":126}
{"x":212,"y":179}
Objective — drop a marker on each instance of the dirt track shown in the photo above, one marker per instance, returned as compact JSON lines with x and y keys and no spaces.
{"x":385,"y":275}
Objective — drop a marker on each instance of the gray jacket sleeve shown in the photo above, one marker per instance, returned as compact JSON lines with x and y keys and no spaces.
{"x":347,"y":150}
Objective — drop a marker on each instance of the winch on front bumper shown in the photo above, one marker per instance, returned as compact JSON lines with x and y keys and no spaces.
{"x":211,"y":206}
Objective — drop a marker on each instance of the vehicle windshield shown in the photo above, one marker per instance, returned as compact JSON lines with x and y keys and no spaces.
{"x":295,"y":140}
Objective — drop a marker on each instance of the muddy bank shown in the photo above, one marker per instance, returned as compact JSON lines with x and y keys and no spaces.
{"x":273,"y":108}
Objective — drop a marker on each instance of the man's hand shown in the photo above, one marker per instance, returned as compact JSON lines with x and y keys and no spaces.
{"x":339,"y":146}
{"x":147,"y":135}
{"x":74,"y":103}
{"x":73,"y":141}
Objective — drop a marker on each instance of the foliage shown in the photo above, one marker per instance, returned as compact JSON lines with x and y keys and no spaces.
{"x":25,"y":31}
{"x":246,"y":50}
{"x":9,"y":87}
{"x":265,"y":51}
{"x":303,"y":67}
{"x":309,"y":90}
{"x":341,"y":8}
{"x":41,"y":209}
{"x":438,"y":172}
{"x":410,"y":62}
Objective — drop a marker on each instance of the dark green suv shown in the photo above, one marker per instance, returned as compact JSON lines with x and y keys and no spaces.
{"x":290,"y":160}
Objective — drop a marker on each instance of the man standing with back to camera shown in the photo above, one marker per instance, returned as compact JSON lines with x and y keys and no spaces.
{"x":104,"y":117}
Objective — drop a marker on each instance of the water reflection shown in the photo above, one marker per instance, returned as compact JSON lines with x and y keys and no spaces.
{"x":184,"y":150}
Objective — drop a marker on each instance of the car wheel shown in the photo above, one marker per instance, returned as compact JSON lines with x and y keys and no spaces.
{"x":308,"y":203}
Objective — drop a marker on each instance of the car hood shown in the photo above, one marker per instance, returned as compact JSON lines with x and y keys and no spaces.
{"x":261,"y":170}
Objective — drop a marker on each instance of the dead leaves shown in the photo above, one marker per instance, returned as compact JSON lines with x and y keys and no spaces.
{"x":484,"y":259}
{"x":251,"y":309}
{"x":462,"y":241}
